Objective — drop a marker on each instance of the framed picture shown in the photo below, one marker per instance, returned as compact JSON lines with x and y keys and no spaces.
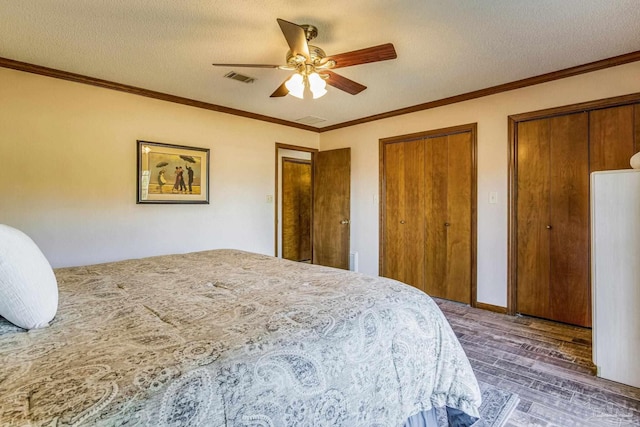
{"x":170,"y":173}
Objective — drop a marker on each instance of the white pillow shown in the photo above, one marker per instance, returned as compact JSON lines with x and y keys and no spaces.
{"x":28,"y":287}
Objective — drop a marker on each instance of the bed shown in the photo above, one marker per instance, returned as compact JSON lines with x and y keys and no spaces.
{"x":231,"y":338}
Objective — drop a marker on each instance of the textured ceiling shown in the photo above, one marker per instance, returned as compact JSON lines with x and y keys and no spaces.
{"x":444,"y":47}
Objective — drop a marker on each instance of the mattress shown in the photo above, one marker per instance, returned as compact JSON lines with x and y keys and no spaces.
{"x":231,"y":338}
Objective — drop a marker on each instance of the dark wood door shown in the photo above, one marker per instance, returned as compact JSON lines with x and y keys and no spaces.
{"x":533,"y":217}
{"x":570,"y":286}
{"x":404,"y":219}
{"x":331,"y":207}
{"x":296,"y":209}
{"x":448,"y":187}
{"x":552,"y":227}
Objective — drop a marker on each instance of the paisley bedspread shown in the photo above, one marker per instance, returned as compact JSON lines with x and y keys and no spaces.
{"x":230,"y":338}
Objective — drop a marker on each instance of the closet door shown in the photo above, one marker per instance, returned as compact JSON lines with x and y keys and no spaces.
{"x":570,"y":288}
{"x":403,"y":226}
{"x":459,"y":198}
{"x":437,"y":215}
{"x":427,"y":205}
{"x":448,"y":185}
{"x":553,"y":219}
{"x":533,"y":187}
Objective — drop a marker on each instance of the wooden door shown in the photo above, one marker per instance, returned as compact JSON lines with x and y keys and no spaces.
{"x":331,"y":208}
{"x":459,"y":217}
{"x":569,"y":283}
{"x":611,"y":138}
{"x":448,"y":188}
{"x":404,"y":219}
{"x":427,"y":206}
{"x":552,"y":230}
{"x":436,"y":189}
{"x":296,"y":209}
{"x":554,"y":194}
{"x":533,"y":217}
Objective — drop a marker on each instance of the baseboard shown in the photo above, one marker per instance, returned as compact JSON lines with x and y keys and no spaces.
{"x":489,"y":307}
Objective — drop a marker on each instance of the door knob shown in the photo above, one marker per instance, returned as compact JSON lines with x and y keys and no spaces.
{"x":402,"y":221}
{"x":549,"y":227}
{"x":344,"y":221}
{"x":446,"y":224}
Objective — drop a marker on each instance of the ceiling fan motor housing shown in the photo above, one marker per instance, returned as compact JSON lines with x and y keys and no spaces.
{"x":316,"y":59}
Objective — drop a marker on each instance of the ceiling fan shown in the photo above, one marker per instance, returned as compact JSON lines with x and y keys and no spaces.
{"x":313,"y":67}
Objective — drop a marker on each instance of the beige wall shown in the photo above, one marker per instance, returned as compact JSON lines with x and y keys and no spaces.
{"x":491,"y":115}
{"x":68,"y":172}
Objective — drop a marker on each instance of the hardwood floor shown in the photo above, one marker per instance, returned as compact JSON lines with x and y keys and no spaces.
{"x":547,"y":364}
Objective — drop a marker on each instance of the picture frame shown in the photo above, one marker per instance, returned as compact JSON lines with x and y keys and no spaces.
{"x":171,"y":174}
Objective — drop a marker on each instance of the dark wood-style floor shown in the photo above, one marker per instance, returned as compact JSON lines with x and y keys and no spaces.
{"x":547,"y":364}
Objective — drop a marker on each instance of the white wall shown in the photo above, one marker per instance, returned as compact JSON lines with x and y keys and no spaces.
{"x":491,"y":115}
{"x":68,"y":172}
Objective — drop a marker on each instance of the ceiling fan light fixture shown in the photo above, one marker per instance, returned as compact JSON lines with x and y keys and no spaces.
{"x":317,"y":85}
{"x":295,"y":85}
{"x":318,"y":93}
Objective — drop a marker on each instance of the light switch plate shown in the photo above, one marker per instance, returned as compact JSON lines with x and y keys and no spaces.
{"x":493,"y":197}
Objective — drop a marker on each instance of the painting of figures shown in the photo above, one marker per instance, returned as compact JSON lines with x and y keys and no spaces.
{"x":172,"y":173}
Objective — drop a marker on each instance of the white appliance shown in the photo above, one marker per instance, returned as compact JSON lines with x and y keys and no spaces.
{"x":615,"y":275}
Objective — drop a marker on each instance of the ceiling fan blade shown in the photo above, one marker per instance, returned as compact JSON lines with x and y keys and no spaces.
{"x":281,"y":91}
{"x":343,"y":83}
{"x":296,"y":38}
{"x":247,"y":65}
{"x":364,"y":56}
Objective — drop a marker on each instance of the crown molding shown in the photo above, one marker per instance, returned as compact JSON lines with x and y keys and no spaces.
{"x":79,"y":78}
{"x":518,"y":84}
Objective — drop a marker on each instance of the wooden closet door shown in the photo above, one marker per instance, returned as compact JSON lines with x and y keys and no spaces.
{"x":437,"y":192}
{"x":404,"y":212}
{"x":533,"y":217}
{"x":553,"y":219}
{"x":569,"y":247}
{"x":611,"y":138}
{"x":459,"y":198}
{"x":448,"y":183}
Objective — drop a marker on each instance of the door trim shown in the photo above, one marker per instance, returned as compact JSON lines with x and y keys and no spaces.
{"x":513,"y":120}
{"x":471,"y":128}
{"x":276,"y":203}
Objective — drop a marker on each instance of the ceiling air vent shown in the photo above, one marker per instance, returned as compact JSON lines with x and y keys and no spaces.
{"x":239,"y":77}
{"x":311,"y":120}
